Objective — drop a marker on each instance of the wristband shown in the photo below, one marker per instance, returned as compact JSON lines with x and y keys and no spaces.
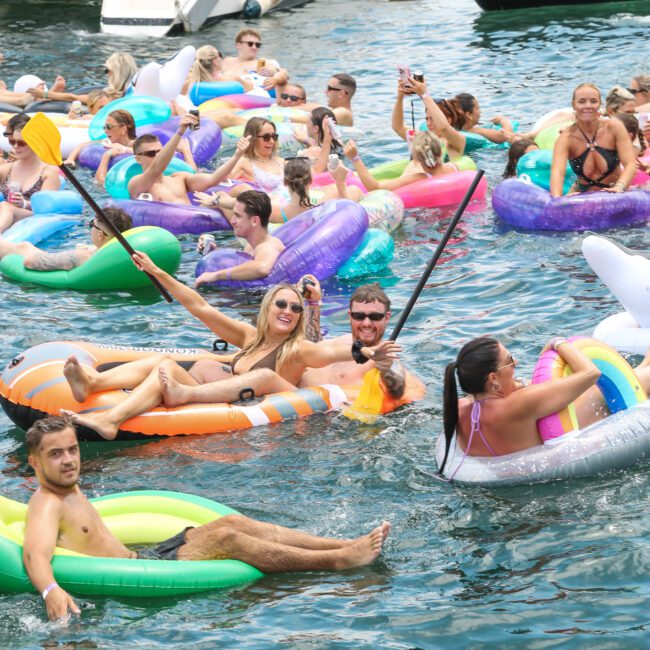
{"x":556,"y":342}
{"x":216,"y":200}
{"x":313,"y":303}
{"x":49,"y":588}
{"x":24,"y":204}
{"x":424,"y":95}
{"x":620,"y":184}
{"x":357,"y":355}
{"x":357,"y":158}
{"x":45,"y":92}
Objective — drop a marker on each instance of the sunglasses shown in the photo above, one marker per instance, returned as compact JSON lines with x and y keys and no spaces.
{"x":373,"y":315}
{"x":293,"y":98}
{"x":332,"y":89}
{"x":108,"y":127}
{"x":92,"y":224}
{"x":634,"y":91}
{"x":267,"y":137}
{"x":295,"y":307}
{"x":17,"y":143}
{"x":256,"y":44}
{"x":149,"y":154}
{"x":511,"y":361}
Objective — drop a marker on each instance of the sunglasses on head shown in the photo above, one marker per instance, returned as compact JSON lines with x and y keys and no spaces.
{"x":252,"y":44}
{"x":17,"y":143}
{"x":373,"y":315}
{"x":295,"y":307}
{"x":293,"y":98}
{"x":149,"y":154}
{"x":510,"y":361}
{"x":267,"y":137}
{"x":331,"y":89}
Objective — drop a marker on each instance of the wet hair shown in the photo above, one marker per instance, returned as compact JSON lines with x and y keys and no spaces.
{"x":256,"y":204}
{"x":17,"y":122}
{"x":123,"y":67}
{"x":40,"y":428}
{"x":644,"y":82}
{"x":451,"y":109}
{"x":247,"y":32}
{"x":317,"y":117}
{"x":616,"y":97}
{"x":253,"y":128}
{"x":201,"y":69}
{"x":124,"y":118}
{"x":289,"y":346}
{"x":585,"y":85}
{"x":516,"y":151}
{"x":426,"y":149}
{"x":348,"y":82}
{"x":94,"y":96}
{"x":297,"y":177}
{"x":475,"y":361}
{"x":369,"y":293}
{"x":143,"y":139}
{"x":631,"y":124}
{"x":120,"y":219}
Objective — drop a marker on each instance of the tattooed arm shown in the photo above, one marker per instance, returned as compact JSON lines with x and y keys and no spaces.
{"x":313,"y":332}
{"x":394,"y":379}
{"x":63,"y":261}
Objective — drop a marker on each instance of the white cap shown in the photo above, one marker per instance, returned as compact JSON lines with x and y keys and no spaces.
{"x":27,"y":81}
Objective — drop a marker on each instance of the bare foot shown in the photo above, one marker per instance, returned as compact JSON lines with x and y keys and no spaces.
{"x":364,"y":551}
{"x":77,"y":378}
{"x":174,"y":393}
{"x":385,"y":529}
{"x":97,"y":422}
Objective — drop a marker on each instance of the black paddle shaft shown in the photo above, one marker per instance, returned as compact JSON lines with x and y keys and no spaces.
{"x":118,"y":235}
{"x":436,"y":256}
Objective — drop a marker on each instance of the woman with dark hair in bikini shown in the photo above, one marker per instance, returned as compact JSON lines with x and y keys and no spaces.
{"x":595,"y":148}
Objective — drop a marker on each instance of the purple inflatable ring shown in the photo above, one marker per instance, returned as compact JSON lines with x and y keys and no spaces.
{"x":177,"y":219}
{"x":91,"y":155}
{"x":318,"y":241}
{"x":530,"y":207}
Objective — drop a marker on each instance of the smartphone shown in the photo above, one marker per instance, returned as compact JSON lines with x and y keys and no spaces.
{"x":304,"y":284}
{"x":404,"y":73}
{"x":197,"y":126}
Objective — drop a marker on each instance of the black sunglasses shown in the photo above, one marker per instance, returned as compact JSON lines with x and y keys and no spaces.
{"x":293,"y":98}
{"x":92,"y":224}
{"x":267,"y":137}
{"x":149,"y":154}
{"x":295,"y":307}
{"x":252,"y":44}
{"x":373,"y":315}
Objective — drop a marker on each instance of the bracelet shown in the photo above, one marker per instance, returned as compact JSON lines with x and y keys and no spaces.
{"x":423,"y":95}
{"x":49,"y":588}
{"x":620,"y":184}
{"x":24,"y":204}
{"x":313,"y":303}
{"x":357,"y":158}
{"x":556,"y":342}
{"x":357,"y":355}
{"x":215,"y":200}
{"x":45,"y":92}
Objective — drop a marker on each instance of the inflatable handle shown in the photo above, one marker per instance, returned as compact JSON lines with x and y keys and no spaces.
{"x":56,"y":202}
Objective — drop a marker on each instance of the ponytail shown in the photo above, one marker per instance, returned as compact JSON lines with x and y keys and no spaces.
{"x":450,"y":410}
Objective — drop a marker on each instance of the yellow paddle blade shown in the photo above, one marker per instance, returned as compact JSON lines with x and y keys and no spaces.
{"x":368,"y":404}
{"x":44,"y":139}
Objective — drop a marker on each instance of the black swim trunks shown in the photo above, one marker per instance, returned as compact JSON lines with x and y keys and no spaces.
{"x":167,"y":550}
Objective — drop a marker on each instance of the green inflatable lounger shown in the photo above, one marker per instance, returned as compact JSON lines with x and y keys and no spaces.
{"x":110,"y":268}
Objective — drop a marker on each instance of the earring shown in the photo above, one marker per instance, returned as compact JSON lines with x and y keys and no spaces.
{"x":496,"y":387}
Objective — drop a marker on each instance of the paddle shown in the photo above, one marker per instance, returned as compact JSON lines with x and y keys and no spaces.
{"x":370,"y":398}
{"x":44,"y":139}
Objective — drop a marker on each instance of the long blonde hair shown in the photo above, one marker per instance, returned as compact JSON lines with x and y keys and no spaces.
{"x":289,"y":347}
{"x":123,"y":67}
{"x":202,"y":67}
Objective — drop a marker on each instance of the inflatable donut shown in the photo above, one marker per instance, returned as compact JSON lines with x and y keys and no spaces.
{"x":143,"y":109}
{"x":91,"y":156}
{"x":373,"y":255}
{"x":385,"y":209}
{"x":118,"y":177}
{"x":438,"y":191}
{"x":618,"y":384}
{"x":535,"y":166}
{"x":202,"y":91}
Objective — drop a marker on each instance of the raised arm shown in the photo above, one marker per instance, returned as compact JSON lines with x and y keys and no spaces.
{"x":201,"y":182}
{"x":558,"y":166}
{"x":229,"y":329}
{"x":41,"y":532}
{"x":398,"y":113}
{"x":143,"y":182}
{"x":317,"y":355}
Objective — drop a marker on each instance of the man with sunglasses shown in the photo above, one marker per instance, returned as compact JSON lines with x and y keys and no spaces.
{"x":369,"y":312}
{"x":264,"y":72}
{"x":154,"y":158}
{"x":339,"y":91}
{"x":100,"y":234}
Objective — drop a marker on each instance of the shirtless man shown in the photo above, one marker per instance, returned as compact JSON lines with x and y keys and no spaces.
{"x":154,"y":158}
{"x":340,"y":90}
{"x":246,"y":64}
{"x":369,"y":313}
{"x":100,"y":234}
{"x":60,"y":515}
{"x":250,"y":221}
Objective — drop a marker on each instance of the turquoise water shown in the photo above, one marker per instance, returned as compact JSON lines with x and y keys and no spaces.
{"x":558,"y":565}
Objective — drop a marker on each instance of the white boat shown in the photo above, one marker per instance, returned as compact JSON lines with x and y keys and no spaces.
{"x":159,"y":17}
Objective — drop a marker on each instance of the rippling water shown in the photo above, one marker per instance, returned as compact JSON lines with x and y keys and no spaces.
{"x":535,"y":567}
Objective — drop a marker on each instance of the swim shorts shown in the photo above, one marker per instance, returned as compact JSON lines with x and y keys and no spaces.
{"x":167,"y":550}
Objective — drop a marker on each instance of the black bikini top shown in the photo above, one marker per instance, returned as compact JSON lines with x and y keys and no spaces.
{"x":610,"y":156}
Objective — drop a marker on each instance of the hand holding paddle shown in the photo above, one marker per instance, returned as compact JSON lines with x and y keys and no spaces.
{"x":44,"y":139}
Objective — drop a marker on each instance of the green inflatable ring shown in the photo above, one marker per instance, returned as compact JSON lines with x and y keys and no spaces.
{"x":146,"y":517}
{"x":395,"y":168}
{"x":546,"y":138}
{"x":110,"y":268}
